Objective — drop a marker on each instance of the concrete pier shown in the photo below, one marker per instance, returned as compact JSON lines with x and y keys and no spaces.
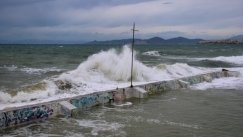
{"x":69,"y":106}
{"x":184,"y":84}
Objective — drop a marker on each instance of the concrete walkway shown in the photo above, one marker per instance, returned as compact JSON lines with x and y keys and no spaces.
{"x":69,"y":106}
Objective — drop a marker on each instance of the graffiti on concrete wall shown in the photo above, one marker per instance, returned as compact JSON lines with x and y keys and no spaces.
{"x":174,"y":84}
{"x":162,"y":86}
{"x":92,"y":100}
{"x":156,"y":87}
{"x":217,"y":74}
{"x":194,"y":79}
{"x":2,"y":120}
{"x":171,"y":85}
{"x":14,"y":117}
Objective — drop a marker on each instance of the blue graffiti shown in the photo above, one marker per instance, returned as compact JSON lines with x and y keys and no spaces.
{"x":15,"y":117}
{"x":92,"y":100}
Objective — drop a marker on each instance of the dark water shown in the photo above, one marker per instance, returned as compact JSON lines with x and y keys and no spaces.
{"x":179,"y":113}
{"x":209,"y":112}
{"x":49,"y":60}
{"x":69,"y":56}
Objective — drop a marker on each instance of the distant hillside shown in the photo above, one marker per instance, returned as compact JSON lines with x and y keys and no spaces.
{"x":34,"y":41}
{"x":154,"y":40}
{"x":240,"y":37}
{"x":181,"y":40}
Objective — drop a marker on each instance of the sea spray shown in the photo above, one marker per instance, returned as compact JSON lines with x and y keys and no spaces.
{"x":104,"y":70}
{"x":40,"y":90}
{"x":230,"y":59}
{"x":151,"y":53}
{"x":111,"y":66}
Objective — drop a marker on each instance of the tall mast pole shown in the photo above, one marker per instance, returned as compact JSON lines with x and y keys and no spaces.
{"x":133,"y":30}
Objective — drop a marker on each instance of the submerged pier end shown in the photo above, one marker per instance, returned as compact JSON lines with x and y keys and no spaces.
{"x":12,"y":116}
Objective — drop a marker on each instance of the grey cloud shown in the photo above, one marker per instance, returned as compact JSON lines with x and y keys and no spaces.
{"x":76,"y":19}
{"x":15,"y":3}
{"x":164,"y":35}
{"x":168,"y":3}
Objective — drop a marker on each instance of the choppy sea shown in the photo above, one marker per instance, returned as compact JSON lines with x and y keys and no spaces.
{"x":29,"y":74}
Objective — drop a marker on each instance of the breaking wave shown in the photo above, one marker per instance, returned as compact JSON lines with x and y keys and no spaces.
{"x":40,"y":71}
{"x":32,"y":70}
{"x":101,"y":71}
{"x":10,"y":68}
{"x":231,"y":59}
{"x":151,"y":53}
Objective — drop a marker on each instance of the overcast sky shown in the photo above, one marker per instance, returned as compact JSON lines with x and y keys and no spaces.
{"x":90,"y":20}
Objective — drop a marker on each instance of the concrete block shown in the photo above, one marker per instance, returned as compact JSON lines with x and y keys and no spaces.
{"x":119,"y":95}
{"x":233,"y":73}
{"x":207,"y":78}
{"x":2,"y":120}
{"x":128,"y":92}
{"x":139,"y":93}
{"x":67,"y":109}
{"x":184,"y":84}
{"x":214,"y":75}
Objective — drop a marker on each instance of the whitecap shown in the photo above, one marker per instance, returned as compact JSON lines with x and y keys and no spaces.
{"x":151,"y":53}
{"x":230,"y":59}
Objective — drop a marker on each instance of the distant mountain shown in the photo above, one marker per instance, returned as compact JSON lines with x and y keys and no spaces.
{"x":154,"y":40}
{"x":34,"y":41}
{"x":240,"y":37}
{"x":182,"y":40}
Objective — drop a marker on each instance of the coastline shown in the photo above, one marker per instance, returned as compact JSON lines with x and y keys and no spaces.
{"x":224,"y":41}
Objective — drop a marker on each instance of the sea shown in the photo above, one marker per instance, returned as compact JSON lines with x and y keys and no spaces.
{"x":29,"y":74}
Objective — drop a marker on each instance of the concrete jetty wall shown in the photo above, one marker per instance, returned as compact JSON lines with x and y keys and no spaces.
{"x":69,"y":106}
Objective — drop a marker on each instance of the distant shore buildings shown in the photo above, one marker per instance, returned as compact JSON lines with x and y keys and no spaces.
{"x":224,"y":41}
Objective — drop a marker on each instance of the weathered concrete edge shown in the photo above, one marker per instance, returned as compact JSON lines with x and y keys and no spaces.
{"x":18,"y":115}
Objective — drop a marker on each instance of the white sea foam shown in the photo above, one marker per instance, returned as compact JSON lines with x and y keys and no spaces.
{"x":22,"y":96}
{"x":102,"y":71}
{"x":10,"y":68}
{"x":110,"y":66}
{"x":101,"y":125}
{"x":182,"y":125}
{"x":40,"y":71}
{"x":124,"y":104}
{"x":151,"y":53}
{"x":223,"y":83}
{"x":230,"y":59}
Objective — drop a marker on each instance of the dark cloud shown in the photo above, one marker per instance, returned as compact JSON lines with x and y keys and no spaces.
{"x":27,"y":13}
{"x":15,"y":3}
{"x":168,"y":3}
{"x":24,"y":13}
{"x":111,"y":19}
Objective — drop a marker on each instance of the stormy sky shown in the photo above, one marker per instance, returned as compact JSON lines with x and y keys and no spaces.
{"x":90,"y":20}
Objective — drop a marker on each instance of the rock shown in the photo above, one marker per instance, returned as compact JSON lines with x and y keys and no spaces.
{"x":63,"y":85}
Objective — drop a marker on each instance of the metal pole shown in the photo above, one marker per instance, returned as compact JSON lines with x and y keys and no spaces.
{"x":133,"y":30}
